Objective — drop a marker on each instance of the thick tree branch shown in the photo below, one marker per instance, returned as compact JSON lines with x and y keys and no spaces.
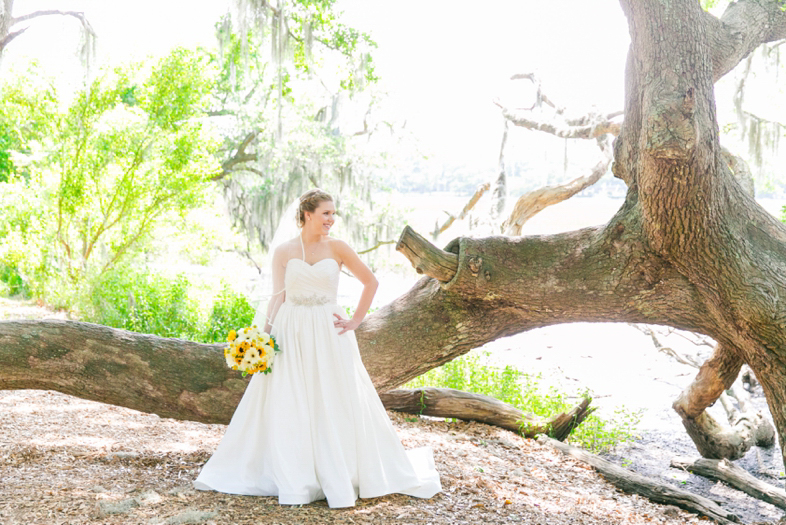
{"x":121,"y":368}
{"x":744,"y":26}
{"x":425,"y":257}
{"x":715,"y":375}
{"x":503,"y":286}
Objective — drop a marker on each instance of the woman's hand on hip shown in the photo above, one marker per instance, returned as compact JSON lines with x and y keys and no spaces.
{"x":345,"y":324}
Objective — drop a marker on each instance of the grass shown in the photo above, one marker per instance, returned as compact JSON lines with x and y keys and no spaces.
{"x":525,"y":392}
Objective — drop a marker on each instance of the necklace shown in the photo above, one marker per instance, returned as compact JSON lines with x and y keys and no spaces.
{"x":311,"y":250}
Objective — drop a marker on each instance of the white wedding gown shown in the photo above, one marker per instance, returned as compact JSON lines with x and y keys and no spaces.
{"x":314,"y":428}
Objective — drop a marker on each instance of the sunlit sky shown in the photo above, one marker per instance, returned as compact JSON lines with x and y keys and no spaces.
{"x":442,"y":62}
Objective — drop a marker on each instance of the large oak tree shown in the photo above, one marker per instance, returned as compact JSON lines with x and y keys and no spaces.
{"x":689,"y":249}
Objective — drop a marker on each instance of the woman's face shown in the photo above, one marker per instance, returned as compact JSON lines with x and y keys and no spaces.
{"x":322,"y":218}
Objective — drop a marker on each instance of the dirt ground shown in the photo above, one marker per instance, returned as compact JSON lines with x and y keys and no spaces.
{"x":64,"y":460}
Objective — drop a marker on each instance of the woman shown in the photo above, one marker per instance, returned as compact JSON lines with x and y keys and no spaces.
{"x":314,"y":428}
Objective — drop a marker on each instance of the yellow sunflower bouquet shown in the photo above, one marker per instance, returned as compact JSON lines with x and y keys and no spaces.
{"x":250,"y":350}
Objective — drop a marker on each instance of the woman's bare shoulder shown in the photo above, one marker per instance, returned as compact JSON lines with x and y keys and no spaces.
{"x":338,"y":246}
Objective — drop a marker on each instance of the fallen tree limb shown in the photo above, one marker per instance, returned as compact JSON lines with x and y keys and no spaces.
{"x":448,"y":402}
{"x":727,"y":472}
{"x":658,"y":492}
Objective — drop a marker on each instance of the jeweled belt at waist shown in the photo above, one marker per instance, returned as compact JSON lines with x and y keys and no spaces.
{"x":310,"y":300}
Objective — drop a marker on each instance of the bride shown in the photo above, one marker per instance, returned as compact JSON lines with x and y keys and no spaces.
{"x":314,"y":428}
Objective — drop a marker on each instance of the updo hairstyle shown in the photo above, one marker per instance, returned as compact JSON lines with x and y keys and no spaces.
{"x":309,"y":202}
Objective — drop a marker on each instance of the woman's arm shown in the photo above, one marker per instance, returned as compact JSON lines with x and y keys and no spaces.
{"x":279,"y":293}
{"x":364,"y":274}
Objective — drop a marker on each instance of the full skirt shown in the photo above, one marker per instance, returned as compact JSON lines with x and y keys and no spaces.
{"x":314,"y":428}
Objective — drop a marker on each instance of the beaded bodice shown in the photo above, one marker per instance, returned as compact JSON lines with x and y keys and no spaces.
{"x":311,"y":284}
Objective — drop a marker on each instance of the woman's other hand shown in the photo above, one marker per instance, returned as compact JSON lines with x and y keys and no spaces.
{"x":345,"y":324}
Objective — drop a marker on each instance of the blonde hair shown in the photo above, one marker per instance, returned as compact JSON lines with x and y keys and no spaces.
{"x":309,"y":202}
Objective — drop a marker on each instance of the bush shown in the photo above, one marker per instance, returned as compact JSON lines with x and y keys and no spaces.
{"x":12,"y":283}
{"x":524,"y":392}
{"x":144,"y":302}
{"x":230,"y":311}
{"x":148,"y":303}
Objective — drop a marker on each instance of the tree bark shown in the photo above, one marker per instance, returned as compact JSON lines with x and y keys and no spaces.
{"x":503,"y":286}
{"x":184,"y":380}
{"x":425,"y":257}
{"x":169,"y":377}
{"x":695,"y":214}
{"x":450,"y":403}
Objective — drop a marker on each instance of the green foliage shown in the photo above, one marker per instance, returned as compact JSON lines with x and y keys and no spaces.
{"x":11,"y":282}
{"x":524,"y":391}
{"x":28,"y":109}
{"x":25,"y":242}
{"x":123,"y":167}
{"x":602,"y":435}
{"x":86,"y":184}
{"x":6,"y":150}
{"x":143,"y":302}
{"x":230,"y":311}
{"x":149,"y":303}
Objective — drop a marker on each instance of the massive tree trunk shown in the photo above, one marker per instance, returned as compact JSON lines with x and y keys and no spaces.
{"x":688,"y":249}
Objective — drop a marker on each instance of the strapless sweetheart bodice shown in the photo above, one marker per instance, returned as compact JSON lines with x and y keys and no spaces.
{"x":311,"y":284}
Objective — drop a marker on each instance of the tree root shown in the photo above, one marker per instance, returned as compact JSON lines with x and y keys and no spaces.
{"x":720,"y":373}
